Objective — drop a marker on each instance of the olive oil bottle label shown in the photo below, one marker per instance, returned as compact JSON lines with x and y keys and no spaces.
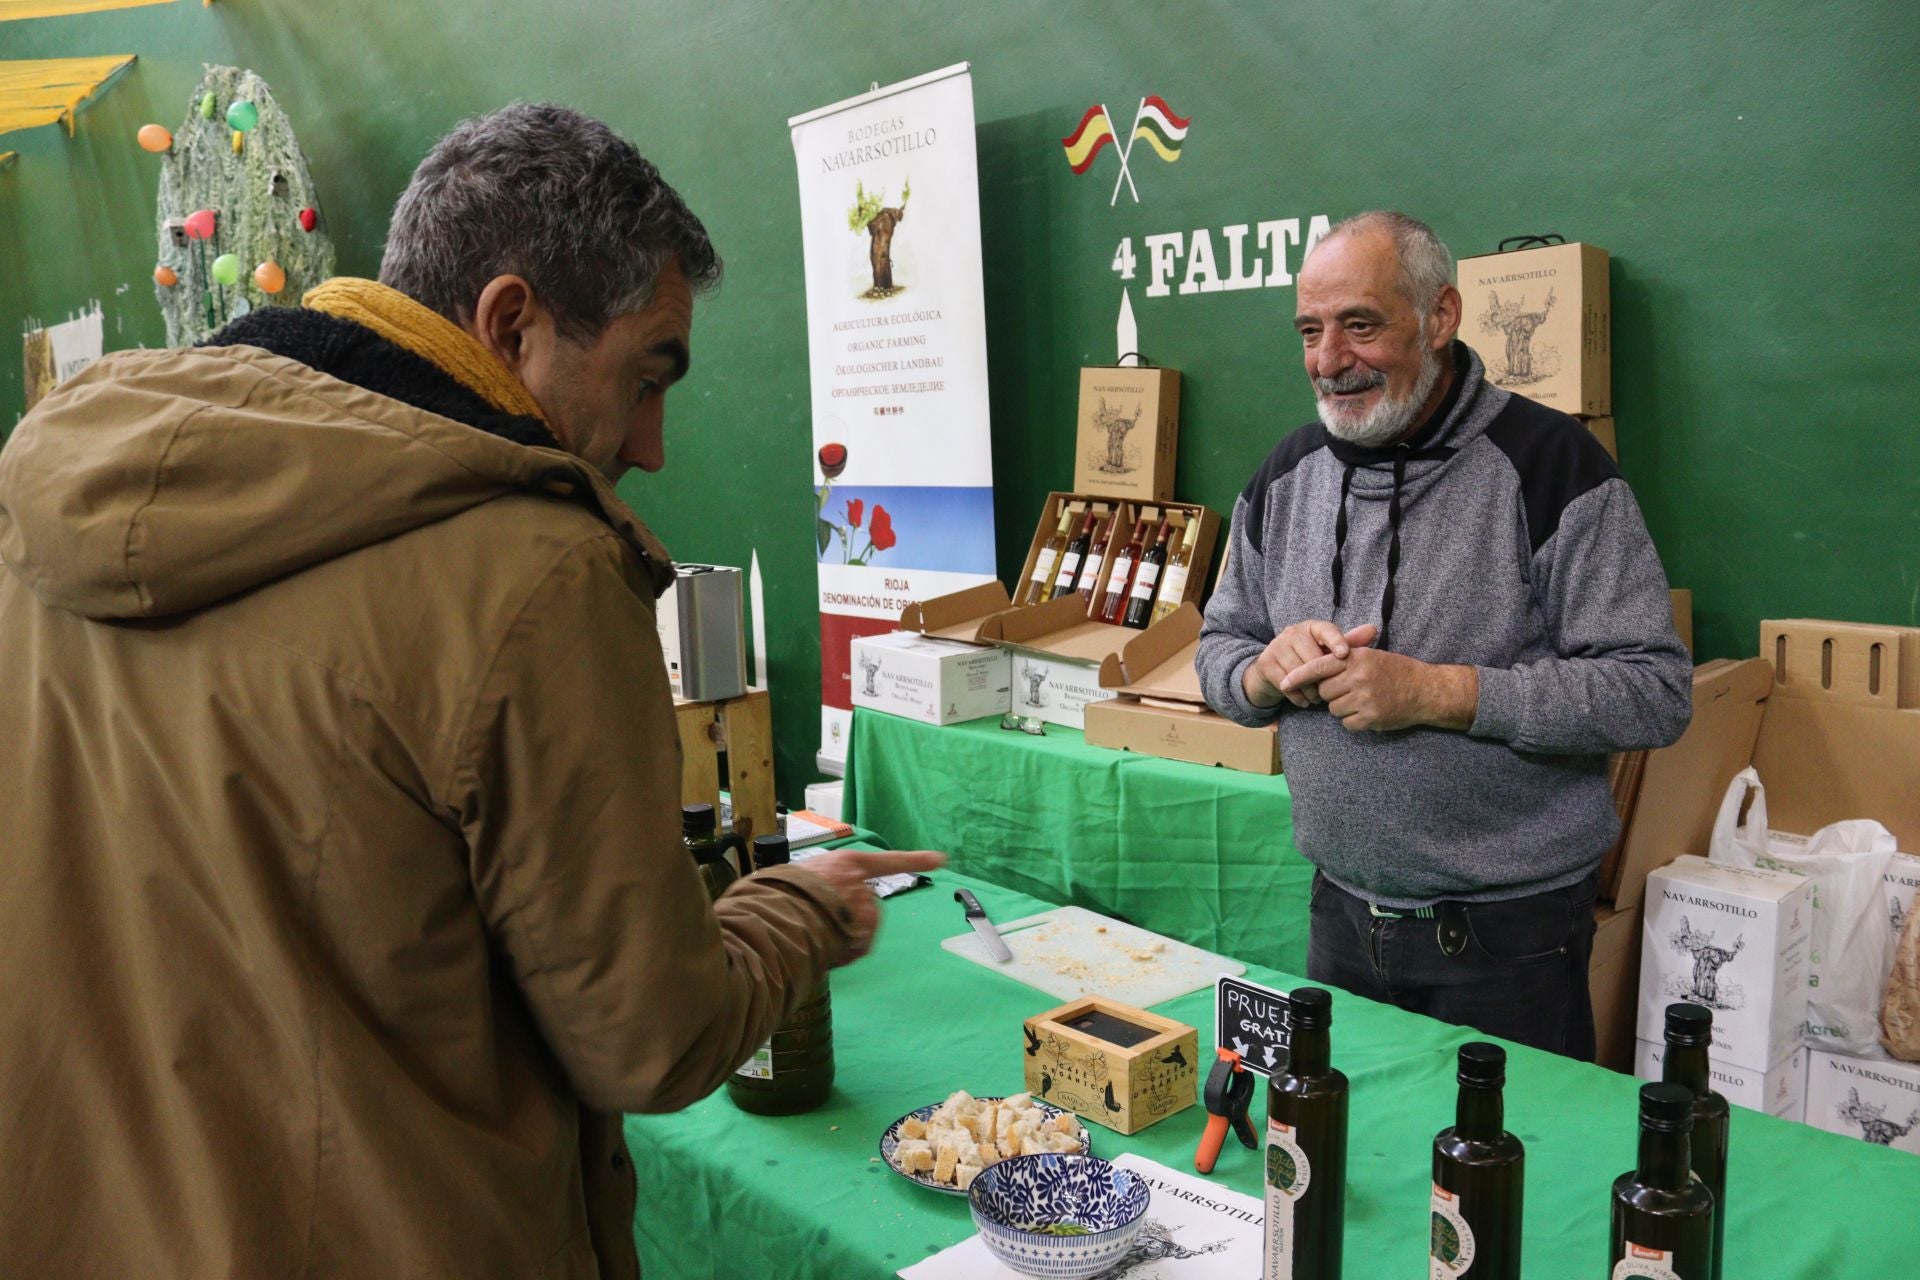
{"x":760,"y":1065}
{"x":1643,"y":1263}
{"x":1450,"y":1252}
{"x":1289,"y":1173}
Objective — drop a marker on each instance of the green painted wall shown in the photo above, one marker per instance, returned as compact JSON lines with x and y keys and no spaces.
{"x":1750,"y":167}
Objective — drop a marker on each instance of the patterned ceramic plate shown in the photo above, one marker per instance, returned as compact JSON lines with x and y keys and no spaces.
{"x":890,"y":1142}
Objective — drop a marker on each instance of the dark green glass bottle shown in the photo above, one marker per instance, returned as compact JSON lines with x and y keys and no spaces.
{"x":793,"y":1071}
{"x":709,"y":850}
{"x":1306,"y":1173}
{"x":1689,"y":1039}
{"x":1479,"y":1177}
{"x":1662,"y":1213}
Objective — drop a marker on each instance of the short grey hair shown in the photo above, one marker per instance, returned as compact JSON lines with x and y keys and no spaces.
{"x":1426,"y":265}
{"x":553,"y":196}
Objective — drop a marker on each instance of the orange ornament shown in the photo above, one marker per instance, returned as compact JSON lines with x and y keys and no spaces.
{"x":270,"y":277}
{"x":165,"y":276}
{"x":155,"y":137}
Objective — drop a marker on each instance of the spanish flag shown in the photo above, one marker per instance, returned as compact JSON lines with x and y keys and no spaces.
{"x":1084,"y":143}
{"x":1162,"y":130}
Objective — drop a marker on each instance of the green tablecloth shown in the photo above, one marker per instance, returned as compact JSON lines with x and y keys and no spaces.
{"x":1201,"y":854}
{"x":724,"y":1194}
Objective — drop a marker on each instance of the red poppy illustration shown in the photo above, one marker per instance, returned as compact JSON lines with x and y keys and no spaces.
{"x":854,"y":507}
{"x":881,"y":530}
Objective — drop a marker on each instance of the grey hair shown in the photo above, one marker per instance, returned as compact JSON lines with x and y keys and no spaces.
{"x":553,"y":196}
{"x":1426,"y":265}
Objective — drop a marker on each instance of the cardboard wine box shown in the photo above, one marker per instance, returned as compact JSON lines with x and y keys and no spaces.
{"x":1129,"y":428}
{"x":1874,"y":1099}
{"x":1848,"y":662}
{"x":1603,"y":431}
{"x":1613,"y":984}
{"x":925,"y":678}
{"x":1541,"y":320}
{"x":958,"y":615}
{"x":1735,"y":940}
{"x":1902,"y":883}
{"x":1159,"y":710}
{"x":1111,"y":1063}
{"x":1056,"y":652}
{"x":1780,"y":1091}
{"x":1114,"y":519}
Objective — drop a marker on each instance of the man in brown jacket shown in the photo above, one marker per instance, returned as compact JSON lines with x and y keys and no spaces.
{"x":342,"y":902}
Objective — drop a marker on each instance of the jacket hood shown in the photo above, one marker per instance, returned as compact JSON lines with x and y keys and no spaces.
{"x":1461,"y":418}
{"x":157,"y":482}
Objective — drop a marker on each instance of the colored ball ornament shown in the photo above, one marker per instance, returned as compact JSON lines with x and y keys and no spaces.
{"x":165,"y":276}
{"x":226,"y":269}
{"x":200,"y":224}
{"x":309,"y":219}
{"x":242,"y":116}
{"x":155,"y":137}
{"x":206,"y":105}
{"x":270,"y":277}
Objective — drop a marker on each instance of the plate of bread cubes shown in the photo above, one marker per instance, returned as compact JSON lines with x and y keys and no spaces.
{"x":945,"y":1145}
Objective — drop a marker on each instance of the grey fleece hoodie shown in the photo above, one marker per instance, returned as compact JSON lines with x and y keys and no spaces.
{"x":1519,"y":551}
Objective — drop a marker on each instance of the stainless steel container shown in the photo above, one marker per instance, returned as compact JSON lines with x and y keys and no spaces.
{"x":703,"y":633}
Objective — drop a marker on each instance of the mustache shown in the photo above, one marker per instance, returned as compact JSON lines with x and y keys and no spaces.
{"x":1350,"y":381}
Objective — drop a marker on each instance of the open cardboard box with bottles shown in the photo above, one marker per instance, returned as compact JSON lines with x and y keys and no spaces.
{"x":1053,"y":566}
{"x":1158,"y":709}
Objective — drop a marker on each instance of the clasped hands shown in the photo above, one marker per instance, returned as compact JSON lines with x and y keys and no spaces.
{"x":1315,"y":662}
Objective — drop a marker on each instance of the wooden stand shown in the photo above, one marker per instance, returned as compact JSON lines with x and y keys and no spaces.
{"x":743,"y":728}
{"x":1125,"y":1087}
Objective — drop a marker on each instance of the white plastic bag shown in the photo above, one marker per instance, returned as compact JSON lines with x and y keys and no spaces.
{"x":1850,"y":954}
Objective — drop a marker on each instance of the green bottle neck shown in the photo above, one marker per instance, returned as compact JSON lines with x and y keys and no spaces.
{"x":1687,"y":1066}
{"x":1307,"y":1054}
{"x":1665,"y":1159}
{"x":1481,"y":1115}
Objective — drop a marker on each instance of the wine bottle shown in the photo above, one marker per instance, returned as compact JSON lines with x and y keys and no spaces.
{"x":1662,"y":1214}
{"x":709,"y":851}
{"x":1068,"y":578}
{"x":1689,"y":1037}
{"x":1479,"y":1177}
{"x":1040,"y":585}
{"x":793,"y":1071}
{"x":1145,"y":579}
{"x":1096,"y":557}
{"x":1121,"y":582}
{"x":1306,"y":1165}
{"x":1173,"y":583}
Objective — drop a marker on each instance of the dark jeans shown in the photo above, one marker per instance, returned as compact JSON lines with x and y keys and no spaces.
{"x":1515,"y":969}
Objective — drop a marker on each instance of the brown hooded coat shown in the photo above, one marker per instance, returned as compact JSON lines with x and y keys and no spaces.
{"x":342,"y":902}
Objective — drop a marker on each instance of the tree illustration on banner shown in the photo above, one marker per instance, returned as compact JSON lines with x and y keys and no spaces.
{"x":871,"y":215}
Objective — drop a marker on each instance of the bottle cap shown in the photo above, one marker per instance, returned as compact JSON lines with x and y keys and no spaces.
{"x":770,"y":851}
{"x":696,"y":819}
{"x":1483,"y":1064}
{"x":1689,"y":1025}
{"x":1311,"y":1008}
{"x":1666,"y":1108}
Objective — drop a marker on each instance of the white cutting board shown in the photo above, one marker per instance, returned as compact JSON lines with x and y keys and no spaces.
{"x":1071,"y":952}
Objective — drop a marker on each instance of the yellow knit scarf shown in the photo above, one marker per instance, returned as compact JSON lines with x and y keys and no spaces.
{"x":426,"y":333}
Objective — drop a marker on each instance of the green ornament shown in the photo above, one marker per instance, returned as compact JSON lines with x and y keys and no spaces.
{"x":242,"y":116}
{"x":206,"y":105}
{"x":226,"y":268}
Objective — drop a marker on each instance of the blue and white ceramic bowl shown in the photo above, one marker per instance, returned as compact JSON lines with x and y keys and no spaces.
{"x":1022,"y":1204}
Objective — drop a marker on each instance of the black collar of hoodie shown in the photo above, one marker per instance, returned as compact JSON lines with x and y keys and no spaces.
{"x":1420,"y":445}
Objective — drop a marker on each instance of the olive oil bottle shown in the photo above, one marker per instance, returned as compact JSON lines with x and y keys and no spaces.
{"x":793,"y":1071}
{"x":1689,"y":1037}
{"x":1479,"y":1177}
{"x":709,"y":850}
{"x":1306,"y":1165}
{"x":1662,"y":1214}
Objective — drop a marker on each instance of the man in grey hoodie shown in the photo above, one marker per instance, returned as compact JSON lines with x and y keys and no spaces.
{"x":1447,"y":597}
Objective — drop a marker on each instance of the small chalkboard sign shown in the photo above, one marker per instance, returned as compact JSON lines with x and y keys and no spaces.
{"x":1253,"y":1021}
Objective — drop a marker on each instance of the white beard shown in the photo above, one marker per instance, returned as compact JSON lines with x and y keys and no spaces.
{"x":1389,"y":419}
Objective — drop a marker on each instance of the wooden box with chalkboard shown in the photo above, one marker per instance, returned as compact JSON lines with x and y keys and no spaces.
{"x":1111,"y":1063}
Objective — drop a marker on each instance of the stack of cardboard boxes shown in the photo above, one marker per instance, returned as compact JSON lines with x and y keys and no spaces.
{"x":1829,"y":716}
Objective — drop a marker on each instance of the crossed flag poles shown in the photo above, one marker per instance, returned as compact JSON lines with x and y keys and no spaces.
{"x":1153,"y":120}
